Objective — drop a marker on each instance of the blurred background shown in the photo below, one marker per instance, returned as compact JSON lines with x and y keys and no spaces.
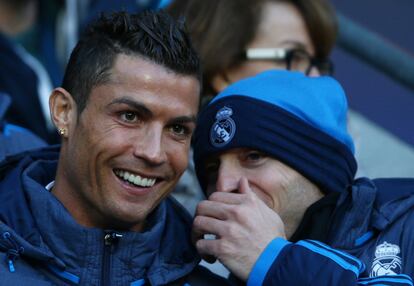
{"x":36,"y":37}
{"x":381,"y":101}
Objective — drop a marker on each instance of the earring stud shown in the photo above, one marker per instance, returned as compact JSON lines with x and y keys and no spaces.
{"x":62,"y":131}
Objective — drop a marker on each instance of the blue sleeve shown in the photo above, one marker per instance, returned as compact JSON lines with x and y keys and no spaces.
{"x":309,"y":262}
{"x":265,"y":261}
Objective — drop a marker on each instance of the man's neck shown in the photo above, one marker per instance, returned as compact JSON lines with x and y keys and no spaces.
{"x":317,"y":219}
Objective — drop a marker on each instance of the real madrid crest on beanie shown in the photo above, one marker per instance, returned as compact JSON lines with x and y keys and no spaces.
{"x":224,"y":128}
{"x":298,"y":120}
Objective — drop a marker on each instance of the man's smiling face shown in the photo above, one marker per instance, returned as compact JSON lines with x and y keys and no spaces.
{"x":129,"y":146}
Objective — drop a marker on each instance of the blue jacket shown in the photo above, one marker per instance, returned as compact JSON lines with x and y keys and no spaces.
{"x":13,"y":138}
{"x":370,"y":242}
{"x":41,"y":244}
{"x":19,"y":81}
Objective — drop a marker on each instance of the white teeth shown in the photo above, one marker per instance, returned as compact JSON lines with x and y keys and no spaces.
{"x":131,"y":179}
{"x":145,"y":182}
{"x":135,"y":179}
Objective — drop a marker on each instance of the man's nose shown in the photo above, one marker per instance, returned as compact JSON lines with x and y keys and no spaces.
{"x":149,"y":146}
{"x":228,"y":177}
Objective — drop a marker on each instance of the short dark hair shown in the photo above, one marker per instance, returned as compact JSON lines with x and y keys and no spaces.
{"x":221,"y":30}
{"x":151,"y":35}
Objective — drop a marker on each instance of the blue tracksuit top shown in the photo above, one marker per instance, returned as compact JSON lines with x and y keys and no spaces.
{"x":370,"y":242}
{"x":13,"y":138}
{"x":41,"y":244}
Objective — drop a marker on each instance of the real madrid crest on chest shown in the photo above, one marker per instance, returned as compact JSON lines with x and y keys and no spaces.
{"x":387,"y":260}
{"x":223,"y":129}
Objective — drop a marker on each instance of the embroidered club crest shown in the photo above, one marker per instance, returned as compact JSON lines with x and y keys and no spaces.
{"x":223,"y":129}
{"x":387,"y":261}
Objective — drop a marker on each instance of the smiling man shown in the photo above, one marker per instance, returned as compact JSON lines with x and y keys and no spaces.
{"x":94,"y":213}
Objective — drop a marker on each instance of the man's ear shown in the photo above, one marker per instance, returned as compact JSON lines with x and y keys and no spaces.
{"x":219,"y":82}
{"x":62,"y":111}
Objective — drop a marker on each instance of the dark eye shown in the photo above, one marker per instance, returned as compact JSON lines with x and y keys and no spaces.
{"x":179,"y":129}
{"x":129,"y":117}
{"x":254,"y":156}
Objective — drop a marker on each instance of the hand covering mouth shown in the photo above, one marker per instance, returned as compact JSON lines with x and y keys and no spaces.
{"x":135,"y":179}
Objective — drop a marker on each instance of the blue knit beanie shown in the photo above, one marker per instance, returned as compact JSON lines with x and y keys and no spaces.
{"x":296,"y":119}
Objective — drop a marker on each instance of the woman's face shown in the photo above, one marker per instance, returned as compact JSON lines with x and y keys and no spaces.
{"x":281,"y":26}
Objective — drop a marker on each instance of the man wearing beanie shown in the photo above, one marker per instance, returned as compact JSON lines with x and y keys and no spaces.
{"x":274,"y":157}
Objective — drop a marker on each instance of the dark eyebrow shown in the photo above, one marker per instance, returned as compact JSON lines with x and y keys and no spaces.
{"x":184,"y":120}
{"x":144,"y":111}
{"x":141,"y":108}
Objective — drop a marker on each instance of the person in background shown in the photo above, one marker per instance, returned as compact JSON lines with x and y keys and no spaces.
{"x":239,"y":38}
{"x":274,"y":157}
{"x":95,"y":211}
{"x":22,"y":76}
{"x":14,"y":139}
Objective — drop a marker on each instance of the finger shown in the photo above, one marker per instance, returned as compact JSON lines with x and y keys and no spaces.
{"x":196,"y":234}
{"x":244,"y":186}
{"x":213,"y":209}
{"x":227,"y":198}
{"x":245,"y":189}
{"x":207,"y":248}
{"x":205,"y":224}
{"x":205,"y":256}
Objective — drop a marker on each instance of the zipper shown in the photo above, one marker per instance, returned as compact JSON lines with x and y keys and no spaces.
{"x":110,"y":239}
{"x":14,"y":251}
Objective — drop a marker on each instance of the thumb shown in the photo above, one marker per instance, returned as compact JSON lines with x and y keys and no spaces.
{"x":244,"y":186}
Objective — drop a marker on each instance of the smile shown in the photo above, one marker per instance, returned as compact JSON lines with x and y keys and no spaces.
{"x":135,"y":179}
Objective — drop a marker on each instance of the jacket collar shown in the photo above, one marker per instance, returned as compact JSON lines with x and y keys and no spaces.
{"x":369,"y":206}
